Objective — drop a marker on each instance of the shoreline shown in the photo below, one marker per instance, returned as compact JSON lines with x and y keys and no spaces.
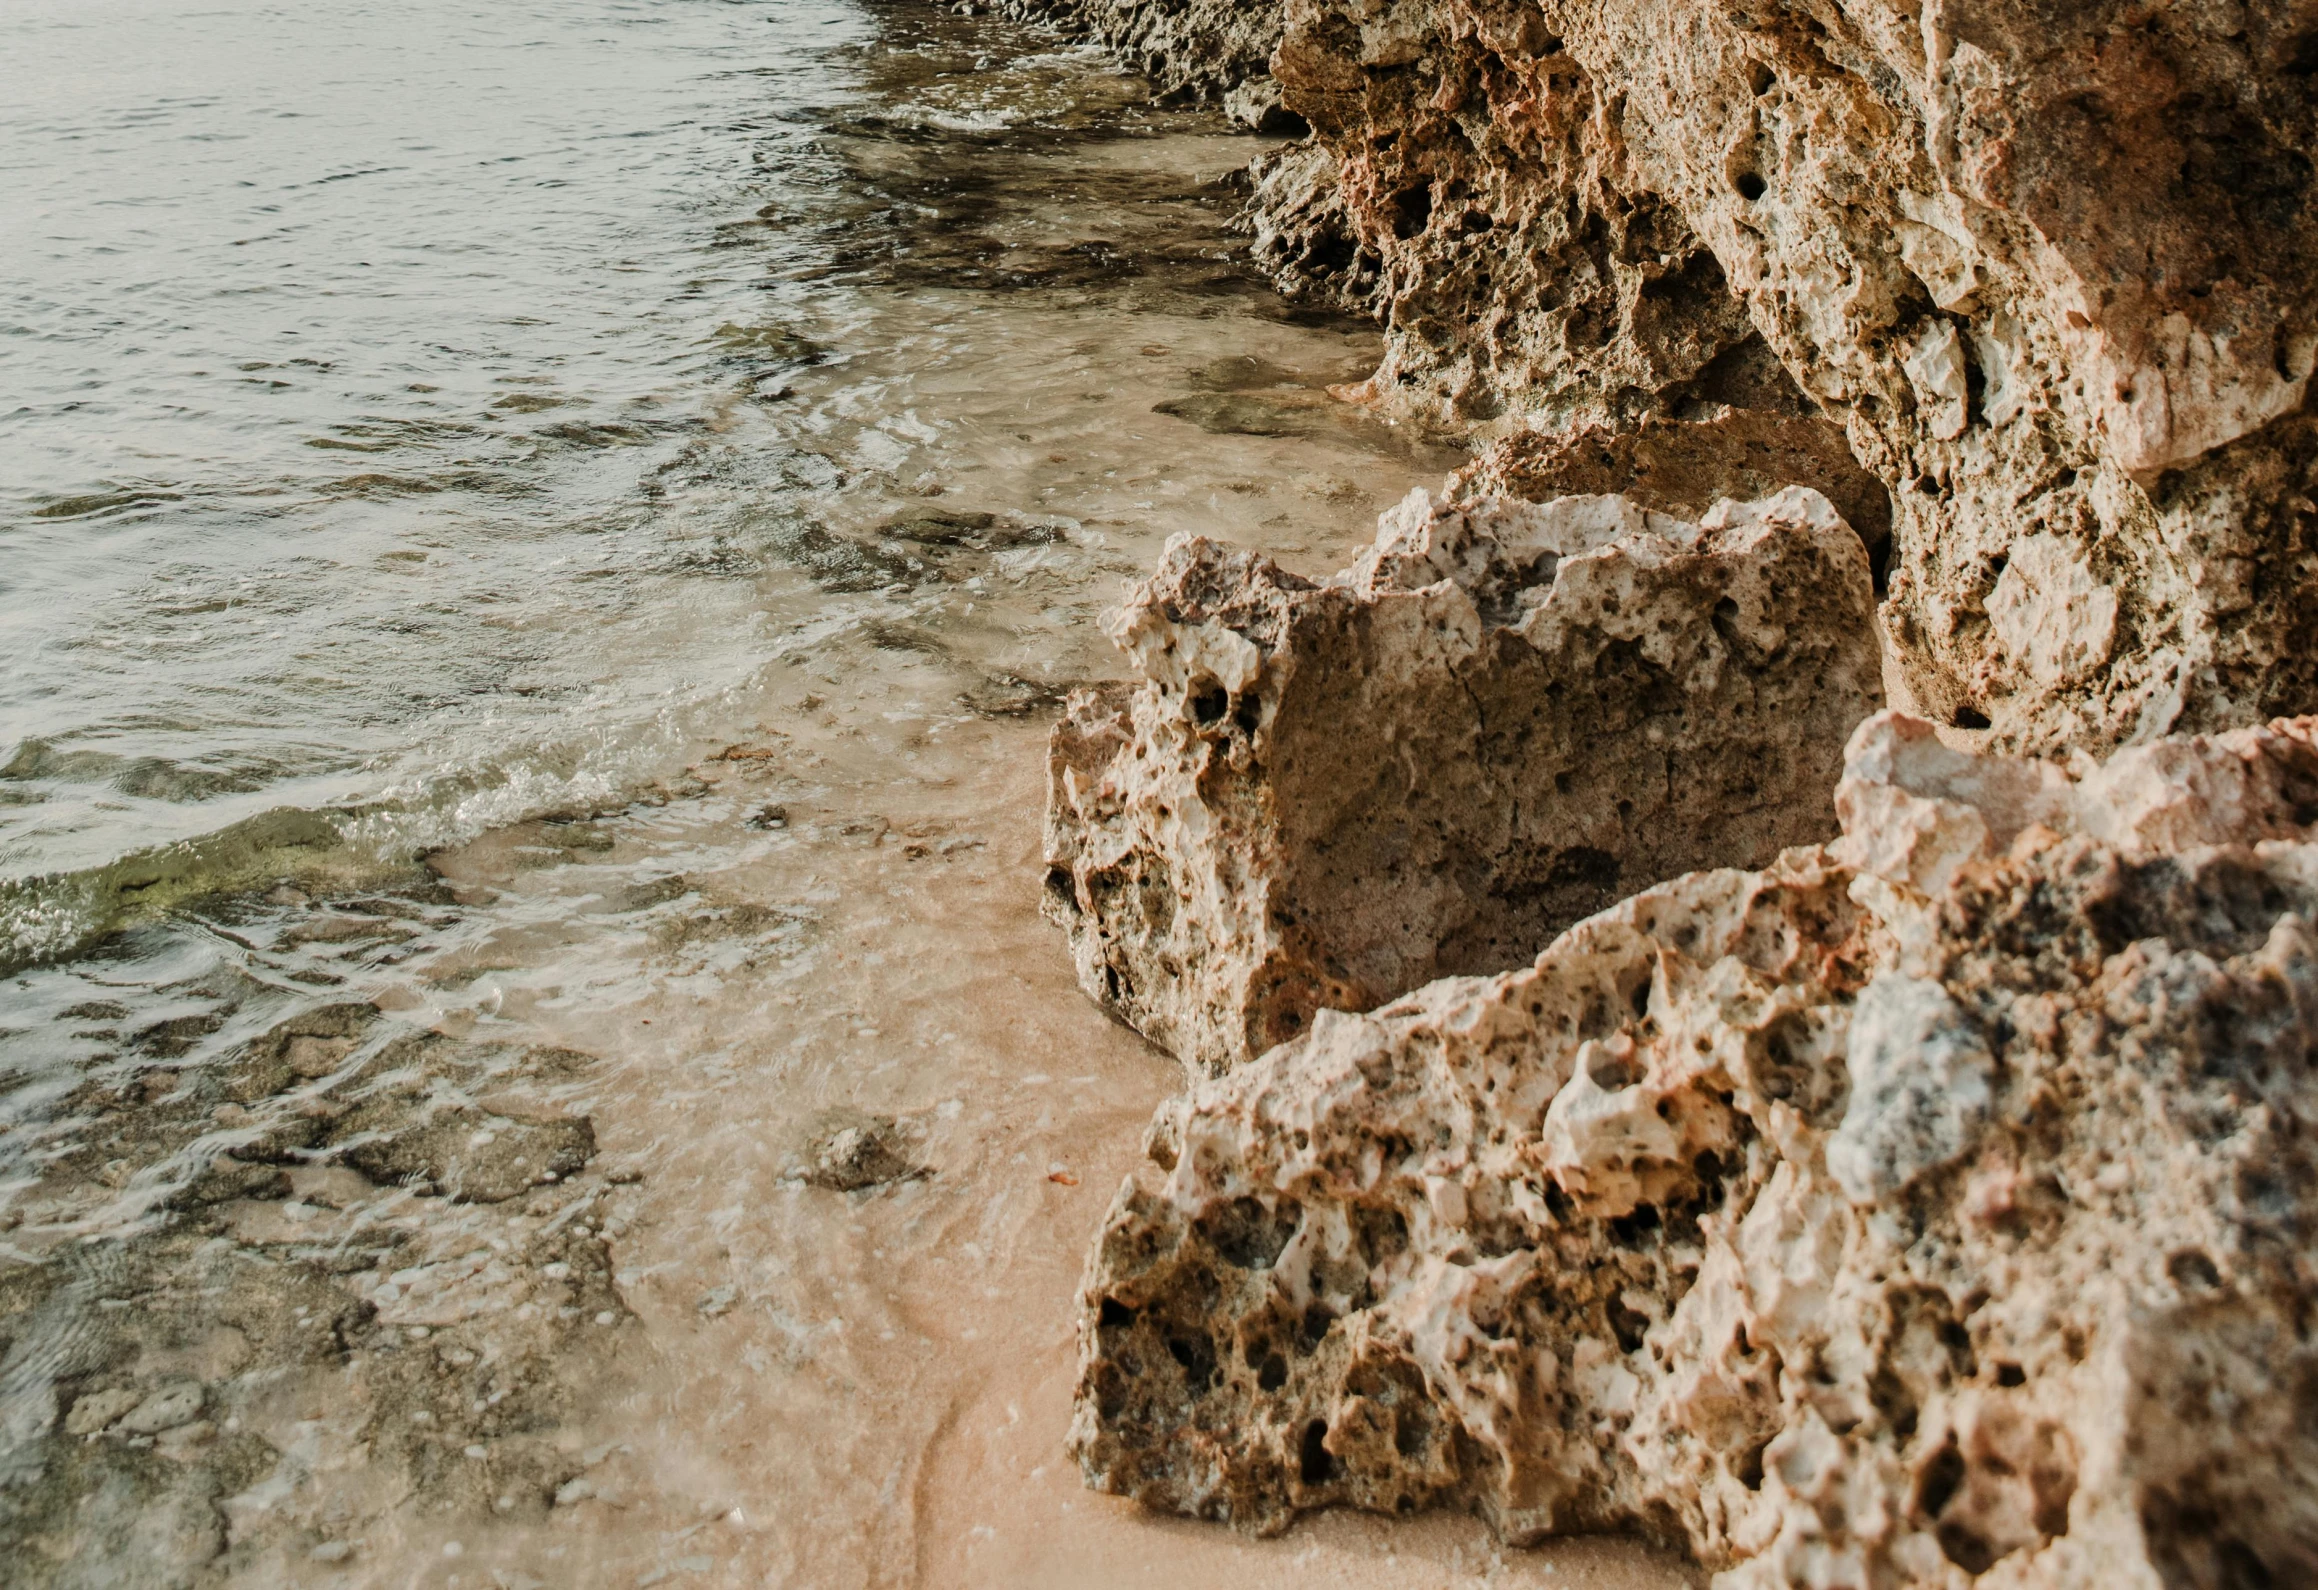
{"x":475,"y":1208}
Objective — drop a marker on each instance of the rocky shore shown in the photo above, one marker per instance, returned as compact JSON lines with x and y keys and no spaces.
{"x":1636,"y":1084}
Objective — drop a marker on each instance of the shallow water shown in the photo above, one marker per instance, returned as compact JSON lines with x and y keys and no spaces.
{"x":607,"y":682}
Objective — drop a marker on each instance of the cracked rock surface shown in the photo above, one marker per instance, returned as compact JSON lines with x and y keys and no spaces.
{"x":1928,"y":1208}
{"x":1503,"y":717}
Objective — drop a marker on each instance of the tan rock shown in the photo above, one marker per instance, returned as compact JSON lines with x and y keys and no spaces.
{"x":2049,"y":270}
{"x":1503,"y":717}
{"x":1927,"y":1209}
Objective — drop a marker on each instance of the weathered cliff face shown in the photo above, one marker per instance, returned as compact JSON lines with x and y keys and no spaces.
{"x":1926,"y":1209}
{"x":1499,"y":720}
{"x":2047,"y":267}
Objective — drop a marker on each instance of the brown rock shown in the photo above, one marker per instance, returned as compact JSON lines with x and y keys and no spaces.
{"x":1924,"y":1210}
{"x":1502,"y":718}
{"x":1202,"y":48}
{"x":1682,"y":467}
{"x":2048,"y":269}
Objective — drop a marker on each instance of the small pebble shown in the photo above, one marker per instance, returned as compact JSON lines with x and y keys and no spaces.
{"x":475,"y":1450}
{"x":607,"y":1317}
{"x":331,"y":1552}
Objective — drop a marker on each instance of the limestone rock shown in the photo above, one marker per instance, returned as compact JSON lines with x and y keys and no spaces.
{"x":1203,"y":48}
{"x":848,"y":1150}
{"x":1503,"y":717}
{"x":1683,"y":466}
{"x":1931,"y":1208}
{"x":2048,"y":269}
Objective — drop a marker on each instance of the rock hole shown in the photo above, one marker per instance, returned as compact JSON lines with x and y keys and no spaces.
{"x":1609,"y":1072}
{"x":1412,"y":211}
{"x":1316,"y":1321}
{"x":1249,"y":715}
{"x":1272,"y":1373}
{"x":1761,"y":78}
{"x":1966,"y":1548}
{"x":1943,"y":1477}
{"x":1632,"y":1230}
{"x":1749,"y":1470}
{"x":1247,"y":1235}
{"x":1058,"y":884}
{"x":1892,"y":1399}
{"x":1208,"y":705}
{"x":1197,"y":1356}
{"x":1958,"y":1342}
{"x":1751,"y":187}
{"x":1628,"y":1325}
{"x":1114,"y":1315}
{"x":2011,"y":1375}
{"x":1313,"y":1459}
{"x":2191,"y":1268}
{"x":1969,"y":717}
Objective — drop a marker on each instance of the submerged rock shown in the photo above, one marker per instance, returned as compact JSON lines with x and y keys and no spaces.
{"x":1502,"y":718}
{"x":1927,"y":1208}
{"x":849,"y":1150}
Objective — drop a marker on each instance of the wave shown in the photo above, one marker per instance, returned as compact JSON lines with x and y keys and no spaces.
{"x":55,"y":916}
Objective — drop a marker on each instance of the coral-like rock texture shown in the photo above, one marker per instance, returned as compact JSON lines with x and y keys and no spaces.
{"x":1205,"y":49}
{"x":2048,"y":270}
{"x":1504,"y":716}
{"x":1931,"y":1208}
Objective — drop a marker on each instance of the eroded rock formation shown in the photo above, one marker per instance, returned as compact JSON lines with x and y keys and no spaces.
{"x":1502,"y":718}
{"x":1926,"y":1209}
{"x":2046,"y":269}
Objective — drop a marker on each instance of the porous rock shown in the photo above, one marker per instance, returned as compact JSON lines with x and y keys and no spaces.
{"x":1207,"y":49}
{"x":1930,"y":1208}
{"x":2047,"y":269}
{"x":1501,"y":718}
